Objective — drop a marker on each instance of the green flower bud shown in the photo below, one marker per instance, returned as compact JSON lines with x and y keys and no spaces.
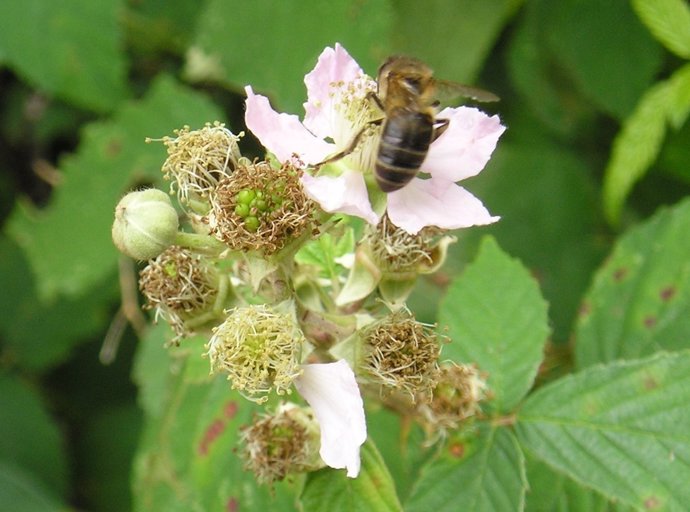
{"x":145,"y":224}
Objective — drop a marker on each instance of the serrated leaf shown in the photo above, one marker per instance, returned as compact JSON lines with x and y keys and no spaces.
{"x":373,"y":490}
{"x":427,"y":29}
{"x":226,"y":31}
{"x":497,"y":319}
{"x":71,"y":49}
{"x":639,"y":301}
{"x":669,"y":21}
{"x":187,"y":459}
{"x":30,"y":438}
{"x":679,"y":105}
{"x":550,"y":491}
{"x":635,"y":148}
{"x":482,"y":474}
{"x":68,"y":244}
{"x":622,"y":429}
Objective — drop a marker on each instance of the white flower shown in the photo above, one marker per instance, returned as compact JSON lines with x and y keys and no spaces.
{"x":333,"y":394}
{"x":337,"y":108}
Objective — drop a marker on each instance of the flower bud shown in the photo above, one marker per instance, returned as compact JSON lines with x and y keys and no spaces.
{"x":145,"y":224}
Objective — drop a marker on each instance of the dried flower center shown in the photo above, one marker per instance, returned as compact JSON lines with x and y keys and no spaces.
{"x":259,"y":350}
{"x":260,"y":208}
{"x":396,"y":250}
{"x":198,"y":159}
{"x":456,"y":397}
{"x":178,"y":285}
{"x":279,"y":444}
{"x":402,"y":355}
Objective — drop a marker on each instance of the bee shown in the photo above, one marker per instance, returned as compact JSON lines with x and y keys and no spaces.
{"x":408,"y":96}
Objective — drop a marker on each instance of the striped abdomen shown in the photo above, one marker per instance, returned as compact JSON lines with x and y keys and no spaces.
{"x":405,"y":141}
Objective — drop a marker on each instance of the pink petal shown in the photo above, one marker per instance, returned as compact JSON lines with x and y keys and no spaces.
{"x":465,"y":147}
{"x":283,"y":134}
{"x":436,"y":203}
{"x":333,"y":66}
{"x":346,"y":193}
{"x":333,"y":394}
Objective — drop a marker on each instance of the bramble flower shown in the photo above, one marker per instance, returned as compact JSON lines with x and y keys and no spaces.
{"x":337,"y":109}
{"x":259,"y":349}
{"x":333,"y":394}
{"x":198,"y":159}
{"x":259,"y":208}
{"x":400,"y":354}
{"x":182,"y":288}
{"x":281,"y":443}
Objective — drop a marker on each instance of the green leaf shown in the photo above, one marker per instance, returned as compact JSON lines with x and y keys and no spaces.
{"x":402,"y":447}
{"x":482,"y":474}
{"x":669,"y":21}
{"x":497,"y":318}
{"x":639,"y":301}
{"x":187,"y":459}
{"x":635,"y":148}
{"x":107,"y":458}
{"x":71,"y":49}
{"x":622,"y":429}
{"x":30,"y":439}
{"x":554,"y":492}
{"x":21,"y":491}
{"x":39,"y":333}
{"x":323,"y":252}
{"x":68,"y":244}
{"x":579,"y":33}
{"x":428,"y":29}
{"x":236,"y":42}
{"x":373,"y":490}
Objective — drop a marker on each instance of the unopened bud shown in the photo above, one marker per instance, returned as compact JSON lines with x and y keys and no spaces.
{"x":145,"y":224}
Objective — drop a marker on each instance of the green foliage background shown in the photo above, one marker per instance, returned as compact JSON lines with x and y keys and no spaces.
{"x":595,"y":96}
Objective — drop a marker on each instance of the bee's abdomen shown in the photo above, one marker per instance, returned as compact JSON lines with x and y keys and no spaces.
{"x":404,"y":144}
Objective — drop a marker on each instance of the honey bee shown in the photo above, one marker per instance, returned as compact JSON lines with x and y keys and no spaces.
{"x":408,"y":96}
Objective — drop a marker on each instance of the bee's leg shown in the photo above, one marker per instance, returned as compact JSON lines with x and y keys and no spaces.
{"x":371,"y":95}
{"x":351,"y":146}
{"x":440,"y":126}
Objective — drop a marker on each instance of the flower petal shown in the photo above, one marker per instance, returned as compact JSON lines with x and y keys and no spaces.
{"x":465,"y":147}
{"x":283,"y":134}
{"x":334,"y":66}
{"x":346,"y":193}
{"x":333,"y":394}
{"x":436,"y":203}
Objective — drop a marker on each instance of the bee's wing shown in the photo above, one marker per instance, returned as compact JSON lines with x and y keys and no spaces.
{"x":446,"y":90}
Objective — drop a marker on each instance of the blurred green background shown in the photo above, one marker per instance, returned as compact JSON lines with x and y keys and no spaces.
{"x":82,"y":83}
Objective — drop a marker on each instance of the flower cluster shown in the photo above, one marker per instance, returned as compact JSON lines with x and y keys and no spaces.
{"x":270,"y":260}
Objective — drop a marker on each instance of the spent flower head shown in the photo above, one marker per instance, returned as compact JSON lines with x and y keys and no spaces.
{"x":455,"y":397}
{"x":259,"y":348}
{"x":259,"y":208}
{"x":401,"y":355}
{"x":284,"y":442}
{"x":182,"y":288}
{"x":198,"y":159}
{"x":338,"y":107}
